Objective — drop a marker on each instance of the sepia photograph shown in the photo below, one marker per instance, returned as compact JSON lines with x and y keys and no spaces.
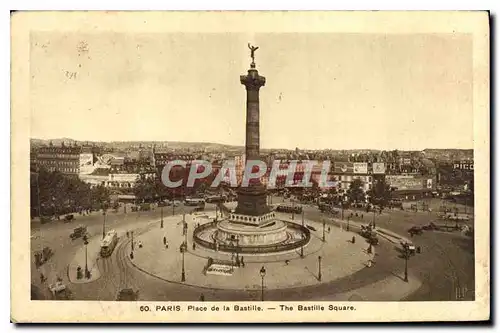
{"x":255,"y":170}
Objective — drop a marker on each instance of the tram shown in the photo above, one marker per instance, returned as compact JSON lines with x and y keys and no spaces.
{"x":108,"y":244}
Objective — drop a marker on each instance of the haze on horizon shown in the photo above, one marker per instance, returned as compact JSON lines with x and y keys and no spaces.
{"x":323,"y":91}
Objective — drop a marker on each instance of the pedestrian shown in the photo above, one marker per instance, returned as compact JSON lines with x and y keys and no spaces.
{"x":287,"y":262}
{"x":164,"y":240}
{"x":328,"y":229}
{"x":353,"y":239}
{"x":42,"y":277}
{"x":242,"y":262}
{"x":166,"y":245}
{"x":202,"y":298}
{"x":362,"y":216}
{"x":128,"y":235}
{"x":194,"y":246}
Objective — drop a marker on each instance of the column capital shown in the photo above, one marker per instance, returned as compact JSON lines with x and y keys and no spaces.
{"x":253,"y":81}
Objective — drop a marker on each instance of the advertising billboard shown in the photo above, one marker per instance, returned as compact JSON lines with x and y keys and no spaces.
{"x":378,"y":168}
{"x":344,"y":167}
{"x":360,"y":168}
{"x":404,"y":182}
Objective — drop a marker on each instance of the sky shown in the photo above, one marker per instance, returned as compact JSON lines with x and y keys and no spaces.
{"x":323,"y":90}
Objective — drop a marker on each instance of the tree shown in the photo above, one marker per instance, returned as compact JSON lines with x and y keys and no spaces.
{"x":355,"y":192}
{"x":53,"y":193}
{"x":100,"y":196}
{"x":380,"y":194}
{"x":145,"y":189}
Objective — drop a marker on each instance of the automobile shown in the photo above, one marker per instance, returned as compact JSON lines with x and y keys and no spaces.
{"x":57,"y":287}
{"x":69,"y":218}
{"x":127,"y":294}
{"x":164,"y":203}
{"x":78,"y":232}
{"x":176,"y":203}
{"x":311,"y":227}
{"x":415,"y":230}
{"x":43,"y":256}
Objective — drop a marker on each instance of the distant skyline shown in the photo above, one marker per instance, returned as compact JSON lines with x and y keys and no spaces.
{"x":323,"y":91}
{"x":235,"y":146}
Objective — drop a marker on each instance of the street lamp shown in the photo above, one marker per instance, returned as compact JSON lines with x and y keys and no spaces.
{"x":407,"y":257}
{"x":87,"y":272}
{"x":104,"y":223}
{"x":183,"y":274}
{"x":324,"y":230}
{"x":161,"y":220}
{"x":293,"y":209}
{"x":319,"y":268}
{"x":262,"y":274}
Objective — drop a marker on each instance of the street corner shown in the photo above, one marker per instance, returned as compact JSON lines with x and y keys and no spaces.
{"x":86,"y":260}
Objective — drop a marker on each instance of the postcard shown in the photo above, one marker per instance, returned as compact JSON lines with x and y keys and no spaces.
{"x":189,"y":167}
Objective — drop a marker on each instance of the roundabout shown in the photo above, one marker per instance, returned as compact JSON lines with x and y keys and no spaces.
{"x":313,"y":263}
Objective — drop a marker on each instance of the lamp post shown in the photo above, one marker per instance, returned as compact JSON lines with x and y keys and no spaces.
{"x":104,"y":223}
{"x":293,"y":209}
{"x":324,"y":230}
{"x":183,"y":274}
{"x":319,"y":268}
{"x":161,"y":220}
{"x":407,"y":256}
{"x":87,"y":272}
{"x":262,"y":275}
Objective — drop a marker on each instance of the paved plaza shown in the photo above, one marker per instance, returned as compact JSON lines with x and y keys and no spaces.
{"x":340,"y":257}
{"x":344,"y":272}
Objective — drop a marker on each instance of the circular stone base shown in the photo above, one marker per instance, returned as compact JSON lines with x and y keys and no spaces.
{"x":228,"y":236}
{"x":275,"y":232}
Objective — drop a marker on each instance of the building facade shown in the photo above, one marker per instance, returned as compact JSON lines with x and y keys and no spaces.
{"x":64,"y":159}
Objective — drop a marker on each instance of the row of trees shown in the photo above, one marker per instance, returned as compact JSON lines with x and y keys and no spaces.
{"x":52,"y":193}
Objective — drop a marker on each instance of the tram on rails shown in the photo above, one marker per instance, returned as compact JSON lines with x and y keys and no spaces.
{"x":108,"y":244}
